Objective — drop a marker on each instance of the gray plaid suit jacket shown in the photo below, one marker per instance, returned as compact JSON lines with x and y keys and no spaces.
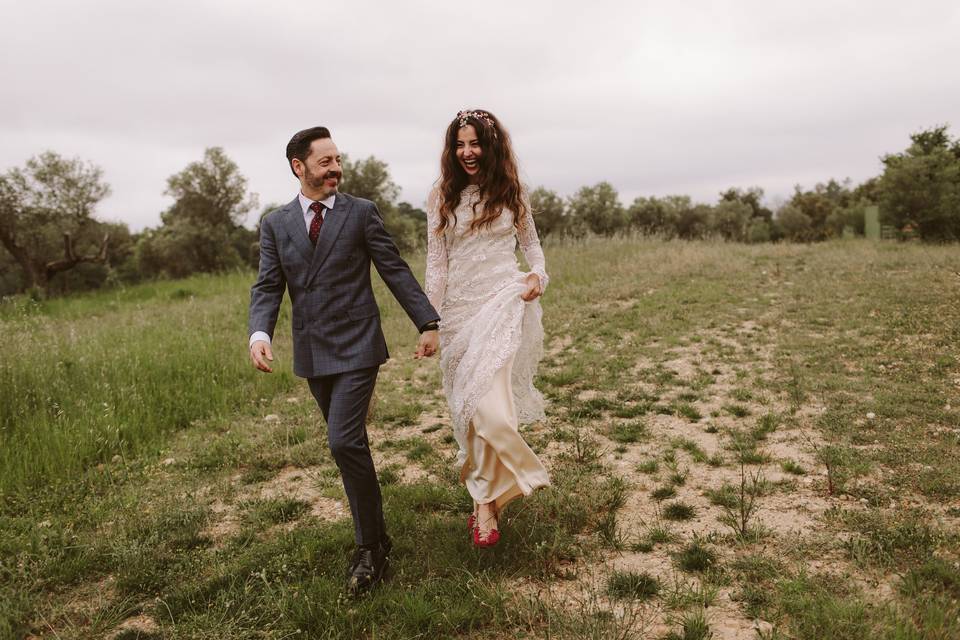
{"x":336,"y":321}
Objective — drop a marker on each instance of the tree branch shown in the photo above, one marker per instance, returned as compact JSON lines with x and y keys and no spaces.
{"x":71,"y":259}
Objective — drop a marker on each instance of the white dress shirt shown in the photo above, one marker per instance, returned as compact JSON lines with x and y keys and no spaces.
{"x":305,"y":203}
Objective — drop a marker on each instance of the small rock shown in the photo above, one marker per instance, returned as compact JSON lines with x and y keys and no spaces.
{"x":116,"y":458}
{"x":45,"y":524}
{"x":168,"y":462}
{"x":272,"y":418}
{"x":947,"y":407}
{"x":293,"y":400}
{"x":871,"y":415}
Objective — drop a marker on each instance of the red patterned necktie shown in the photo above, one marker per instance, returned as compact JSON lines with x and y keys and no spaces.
{"x":317,"y":222}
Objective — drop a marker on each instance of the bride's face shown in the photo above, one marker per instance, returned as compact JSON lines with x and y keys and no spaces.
{"x":469,"y":150}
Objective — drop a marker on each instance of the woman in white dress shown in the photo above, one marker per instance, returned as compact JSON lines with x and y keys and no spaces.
{"x":491,"y":336}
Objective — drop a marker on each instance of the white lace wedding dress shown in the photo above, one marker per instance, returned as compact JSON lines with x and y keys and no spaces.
{"x":474,"y":281}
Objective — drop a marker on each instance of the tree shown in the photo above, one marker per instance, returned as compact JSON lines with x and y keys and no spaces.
{"x":730,"y":219}
{"x":408,"y":226}
{"x":210,"y":192}
{"x":599,"y":207}
{"x":690,"y":221}
{"x":653,"y":216}
{"x":752,"y":197}
{"x":795,"y":224}
{"x":921,"y":186}
{"x":548,"y":211}
{"x":759,"y":230}
{"x":670,"y":217}
{"x":46,"y":216}
{"x":202,"y":230}
{"x":820,"y":203}
{"x":369,"y":178}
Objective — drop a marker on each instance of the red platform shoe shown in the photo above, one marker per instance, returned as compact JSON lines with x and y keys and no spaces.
{"x":483,"y":540}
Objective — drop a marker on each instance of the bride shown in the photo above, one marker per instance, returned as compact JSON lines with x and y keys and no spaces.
{"x":491,"y":336}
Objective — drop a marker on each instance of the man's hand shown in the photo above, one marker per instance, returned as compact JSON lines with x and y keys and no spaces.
{"x":428,"y":345}
{"x":260,"y":353}
{"x":534,"y":290}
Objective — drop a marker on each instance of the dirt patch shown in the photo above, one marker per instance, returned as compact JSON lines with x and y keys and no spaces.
{"x":738,"y":358}
{"x":298,"y":483}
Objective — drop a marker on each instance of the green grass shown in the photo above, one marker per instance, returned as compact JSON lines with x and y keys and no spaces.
{"x":100,"y":390}
{"x":633,"y":585}
{"x":696,"y":557}
{"x":628,"y":432}
{"x":663,"y":493}
{"x":114,"y":373}
{"x":793,"y":467}
{"x":648,"y":467}
{"x":679,"y":511}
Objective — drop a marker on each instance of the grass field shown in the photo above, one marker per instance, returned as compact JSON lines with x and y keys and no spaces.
{"x":745,"y":442}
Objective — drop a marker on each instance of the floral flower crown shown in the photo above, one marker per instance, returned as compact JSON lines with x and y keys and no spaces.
{"x":478,"y":115}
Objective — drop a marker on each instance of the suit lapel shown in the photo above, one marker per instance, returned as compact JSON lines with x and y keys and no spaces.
{"x":332,"y":225}
{"x":297,"y":229}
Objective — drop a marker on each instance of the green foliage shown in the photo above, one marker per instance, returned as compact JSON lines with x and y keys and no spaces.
{"x":599,"y":208}
{"x":696,"y":557}
{"x":759,"y":231}
{"x":49,"y":198}
{"x":693,"y":626}
{"x":632,"y":585}
{"x":202,"y":230}
{"x":549,"y":213}
{"x":370,"y":179}
{"x":752,"y":197}
{"x":679,"y":511}
{"x":821,"y":206}
{"x":795,"y":225}
{"x":730,"y":220}
{"x":664,"y":492}
{"x":920,"y":187}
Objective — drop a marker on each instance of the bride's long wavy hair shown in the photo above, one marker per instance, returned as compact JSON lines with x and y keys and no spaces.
{"x":499,"y":180}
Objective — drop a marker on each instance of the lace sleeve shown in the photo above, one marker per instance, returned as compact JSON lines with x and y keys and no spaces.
{"x":436,"y":276}
{"x":530,"y":246}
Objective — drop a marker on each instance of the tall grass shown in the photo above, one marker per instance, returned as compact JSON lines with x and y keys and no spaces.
{"x":113,"y":372}
{"x":110,"y":373}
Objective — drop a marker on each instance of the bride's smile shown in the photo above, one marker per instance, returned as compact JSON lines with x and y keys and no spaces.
{"x":469,"y":150}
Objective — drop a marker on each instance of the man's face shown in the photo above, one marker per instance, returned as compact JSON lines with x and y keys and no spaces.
{"x":321,"y":172}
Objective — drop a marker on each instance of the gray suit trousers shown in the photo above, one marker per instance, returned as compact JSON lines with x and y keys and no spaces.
{"x":344,"y":399}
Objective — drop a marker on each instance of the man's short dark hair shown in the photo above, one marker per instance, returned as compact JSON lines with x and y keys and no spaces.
{"x":299,"y":145}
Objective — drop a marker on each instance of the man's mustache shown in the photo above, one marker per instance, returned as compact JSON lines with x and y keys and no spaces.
{"x":332,"y":174}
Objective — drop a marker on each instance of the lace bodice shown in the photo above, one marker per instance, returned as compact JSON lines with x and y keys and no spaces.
{"x":465,"y":246}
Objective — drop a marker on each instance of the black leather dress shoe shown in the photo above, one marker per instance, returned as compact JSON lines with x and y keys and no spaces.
{"x":367,"y":567}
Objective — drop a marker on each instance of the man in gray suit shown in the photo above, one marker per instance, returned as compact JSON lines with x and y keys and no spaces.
{"x":319,"y":248}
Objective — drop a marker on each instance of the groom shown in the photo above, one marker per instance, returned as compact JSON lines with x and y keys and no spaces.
{"x":319,"y":248}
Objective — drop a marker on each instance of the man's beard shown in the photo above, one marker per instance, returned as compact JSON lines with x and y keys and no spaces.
{"x":316,"y":182}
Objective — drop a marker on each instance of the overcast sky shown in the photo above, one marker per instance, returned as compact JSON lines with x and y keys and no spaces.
{"x":657,"y":98}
